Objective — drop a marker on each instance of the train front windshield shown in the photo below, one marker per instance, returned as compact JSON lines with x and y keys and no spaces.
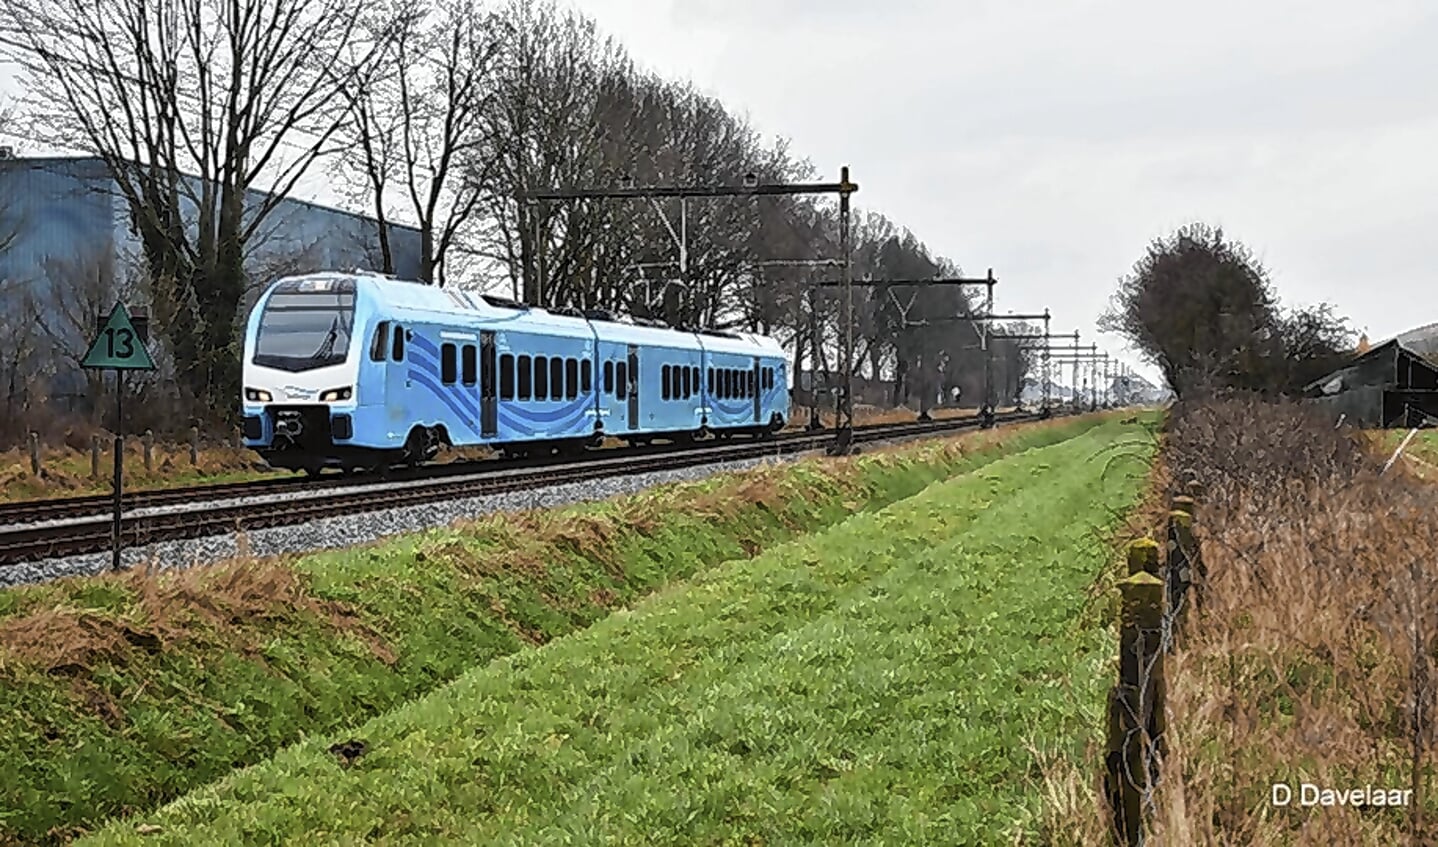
{"x":306,"y":325}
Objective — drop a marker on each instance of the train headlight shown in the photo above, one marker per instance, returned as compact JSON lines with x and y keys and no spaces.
{"x":257,"y":395}
{"x":335,"y":394}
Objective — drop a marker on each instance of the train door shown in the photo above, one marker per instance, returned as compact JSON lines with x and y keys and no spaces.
{"x":488,"y":386}
{"x":397,"y":380}
{"x":634,"y":382}
{"x":758,"y":389}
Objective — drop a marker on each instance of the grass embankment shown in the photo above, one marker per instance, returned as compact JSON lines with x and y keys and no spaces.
{"x":67,"y":473}
{"x":120,"y":692}
{"x":880,"y":682}
{"x":1311,"y":659}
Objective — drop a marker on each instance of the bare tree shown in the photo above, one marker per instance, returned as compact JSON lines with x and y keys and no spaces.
{"x":241,"y":95}
{"x":9,"y":215}
{"x":420,"y":123}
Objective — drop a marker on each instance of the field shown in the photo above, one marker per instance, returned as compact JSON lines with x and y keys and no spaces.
{"x":66,"y":469}
{"x":897,"y":678}
{"x":123,"y":691}
{"x":1310,"y":656}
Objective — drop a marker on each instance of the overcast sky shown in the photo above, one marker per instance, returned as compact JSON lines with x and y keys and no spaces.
{"x":1052,"y":140}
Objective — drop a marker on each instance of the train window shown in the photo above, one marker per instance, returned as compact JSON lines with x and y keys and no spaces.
{"x":688,"y":383}
{"x":726,"y":384}
{"x":541,"y":377}
{"x":621,"y":380}
{"x":608,"y":377}
{"x":697,"y":383}
{"x":571,"y":378}
{"x":468,"y":362}
{"x":664,"y":382}
{"x":397,"y":345}
{"x":678,"y":380}
{"x":750,"y":379}
{"x":586,"y":376}
{"x":524,"y":377}
{"x":711,"y":381}
{"x":506,"y":377}
{"x":381,"y":342}
{"x":448,"y":368}
{"x":556,"y":378}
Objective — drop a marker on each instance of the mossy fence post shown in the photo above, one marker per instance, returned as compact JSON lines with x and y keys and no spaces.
{"x":149,"y":441}
{"x":1136,"y":705}
{"x":34,"y":452}
{"x":94,"y":456}
{"x":194,"y":446}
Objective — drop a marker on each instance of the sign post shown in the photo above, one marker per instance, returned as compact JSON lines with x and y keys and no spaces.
{"x":119,"y":346}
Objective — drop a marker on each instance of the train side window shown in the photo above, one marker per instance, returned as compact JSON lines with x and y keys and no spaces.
{"x":710,"y":383}
{"x":397,"y":345}
{"x":688,"y":383}
{"x":468,"y":365}
{"x":676,"y":382}
{"x":556,"y":378}
{"x":524,"y":377}
{"x":664,"y":382}
{"x":608,"y":377}
{"x":621,"y":380}
{"x":571,"y":378}
{"x":723,"y":383}
{"x":541,"y":377}
{"x":586,"y":376}
{"x":448,"y":369}
{"x":381,"y":342}
{"x":753,"y":380}
{"x":506,"y":376}
{"x":696,"y":379}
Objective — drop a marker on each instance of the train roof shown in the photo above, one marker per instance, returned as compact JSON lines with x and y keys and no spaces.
{"x":403,"y":298}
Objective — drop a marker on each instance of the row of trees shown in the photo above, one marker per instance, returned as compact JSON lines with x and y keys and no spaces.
{"x":1203,"y":308}
{"x":436,"y":115}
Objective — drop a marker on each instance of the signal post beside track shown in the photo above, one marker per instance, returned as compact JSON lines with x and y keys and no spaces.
{"x":119,"y":346}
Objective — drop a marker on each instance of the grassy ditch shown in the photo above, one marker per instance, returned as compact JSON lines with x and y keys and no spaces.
{"x":121,"y":692}
{"x":885,"y":681}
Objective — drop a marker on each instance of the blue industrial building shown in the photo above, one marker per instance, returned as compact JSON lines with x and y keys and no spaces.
{"x":66,"y":241}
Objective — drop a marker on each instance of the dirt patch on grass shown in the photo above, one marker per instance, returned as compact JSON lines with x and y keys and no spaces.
{"x":218,"y":604}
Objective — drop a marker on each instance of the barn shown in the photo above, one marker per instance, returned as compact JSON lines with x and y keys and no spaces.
{"x":1389,"y":385}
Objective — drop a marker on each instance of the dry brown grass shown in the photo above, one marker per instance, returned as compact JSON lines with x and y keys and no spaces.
{"x":1309,"y":660}
{"x":218,"y":604}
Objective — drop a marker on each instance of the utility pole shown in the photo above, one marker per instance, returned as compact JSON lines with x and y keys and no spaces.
{"x":751,"y":187}
{"x":989,"y":281}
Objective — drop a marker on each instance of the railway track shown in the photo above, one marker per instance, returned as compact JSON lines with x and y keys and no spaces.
{"x":82,"y":525}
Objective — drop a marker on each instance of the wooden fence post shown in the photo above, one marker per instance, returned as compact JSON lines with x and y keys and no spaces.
{"x":1143,"y":557}
{"x":239,"y":438}
{"x":1179,"y":570}
{"x":95,"y":456}
{"x":34,"y":452}
{"x":148,"y":440}
{"x":194,"y":446}
{"x":1136,"y":705}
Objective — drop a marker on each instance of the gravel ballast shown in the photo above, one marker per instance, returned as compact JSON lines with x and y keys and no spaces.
{"x":349,"y":530}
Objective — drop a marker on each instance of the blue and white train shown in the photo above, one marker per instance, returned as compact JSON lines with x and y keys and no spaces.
{"x":358,"y":370}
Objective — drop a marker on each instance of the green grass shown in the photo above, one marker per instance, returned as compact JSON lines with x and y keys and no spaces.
{"x":120,"y":693}
{"x":877,"y":683}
